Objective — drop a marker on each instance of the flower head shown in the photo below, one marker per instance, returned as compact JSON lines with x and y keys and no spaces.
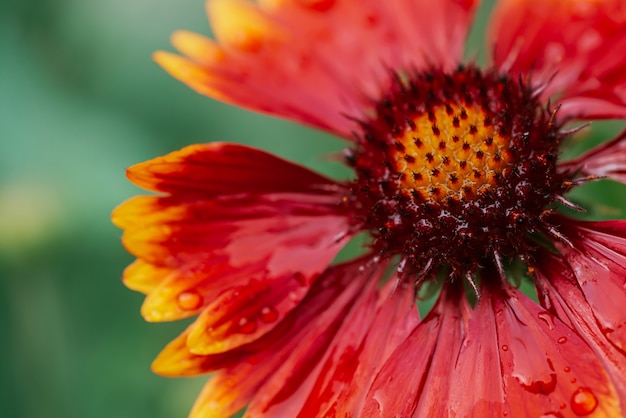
{"x":458,"y":180}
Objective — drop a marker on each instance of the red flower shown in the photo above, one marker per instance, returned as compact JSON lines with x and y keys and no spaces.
{"x":458,"y":181}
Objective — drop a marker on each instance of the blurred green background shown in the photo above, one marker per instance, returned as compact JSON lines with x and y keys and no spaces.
{"x":81,"y":100}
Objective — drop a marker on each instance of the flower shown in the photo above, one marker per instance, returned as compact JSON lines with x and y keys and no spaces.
{"x":458,"y":181}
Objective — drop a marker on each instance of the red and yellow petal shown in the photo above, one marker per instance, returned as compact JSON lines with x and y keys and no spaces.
{"x":257,"y":371}
{"x":233,"y":216}
{"x":221,"y":169}
{"x":569,"y":48}
{"x":265,"y":50}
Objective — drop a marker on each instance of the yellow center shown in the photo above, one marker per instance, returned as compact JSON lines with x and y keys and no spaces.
{"x":451,"y":152}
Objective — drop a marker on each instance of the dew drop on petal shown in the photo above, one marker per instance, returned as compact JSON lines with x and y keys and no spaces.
{"x":246,"y":326}
{"x":268,"y":314}
{"x":563,"y":405}
{"x":540,"y":386}
{"x":547,"y":318}
{"x":584,"y":402}
{"x":567,"y":369}
{"x":505,"y":348}
{"x":189,"y":300}
{"x":562,"y":340}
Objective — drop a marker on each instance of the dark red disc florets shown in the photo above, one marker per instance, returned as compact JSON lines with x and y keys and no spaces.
{"x":455,"y":167}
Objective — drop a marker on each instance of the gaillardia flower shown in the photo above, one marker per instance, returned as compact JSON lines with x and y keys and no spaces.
{"x":459,"y":184}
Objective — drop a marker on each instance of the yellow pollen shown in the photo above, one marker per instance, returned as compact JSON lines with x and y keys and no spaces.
{"x":451,"y":151}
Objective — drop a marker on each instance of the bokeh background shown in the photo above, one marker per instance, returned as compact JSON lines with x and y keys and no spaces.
{"x":81,"y":100}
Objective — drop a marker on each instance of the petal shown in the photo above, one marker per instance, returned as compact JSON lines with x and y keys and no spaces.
{"x":218,"y":169}
{"x":546,"y":367}
{"x":605,"y":160}
{"x":598,"y":261}
{"x":244,"y":313}
{"x":285,"y":392}
{"x":266,"y":50}
{"x":570,"y":48}
{"x":560,"y":293}
{"x":144,"y":277}
{"x":223,"y":227}
{"x":360,"y":349}
{"x":261,"y":368}
{"x":415,"y":378}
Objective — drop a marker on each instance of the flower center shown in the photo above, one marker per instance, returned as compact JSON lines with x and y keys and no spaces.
{"x":456,"y":168}
{"x":451,"y":152}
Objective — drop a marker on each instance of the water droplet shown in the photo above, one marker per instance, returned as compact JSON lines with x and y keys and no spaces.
{"x":269,"y":314}
{"x":547,"y":318}
{"x":562,"y":340}
{"x":563,"y":405}
{"x":566,"y":369}
{"x":539,"y":386}
{"x":584,"y":401}
{"x":189,"y":300}
{"x":246,"y":326}
{"x":505,"y":348}
{"x":573,"y":380}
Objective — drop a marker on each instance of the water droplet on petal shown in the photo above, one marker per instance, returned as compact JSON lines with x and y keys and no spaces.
{"x":573,"y":380}
{"x":566,"y":369}
{"x":505,"y":348}
{"x":189,"y":300}
{"x":562,"y":340}
{"x":246,"y":326}
{"x":563,"y":405}
{"x":539,"y":386}
{"x":269,"y":314}
{"x":584,"y":401}
{"x":547,"y":318}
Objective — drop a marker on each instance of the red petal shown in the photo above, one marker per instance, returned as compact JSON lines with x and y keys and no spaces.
{"x":414,"y":381}
{"x":570,"y":46}
{"x":547,"y":368}
{"x":599,"y":264}
{"x":360,"y":349}
{"x":605,"y":160}
{"x":286,"y":391}
{"x":265,"y":52}
{"x":558,"y":291}
{"x":222,"y":169}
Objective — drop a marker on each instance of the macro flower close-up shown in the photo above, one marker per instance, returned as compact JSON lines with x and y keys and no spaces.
{"x":463,"y":189}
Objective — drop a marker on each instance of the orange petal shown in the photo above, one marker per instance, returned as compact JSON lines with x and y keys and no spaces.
{"x":197,"y":47}
{"x":240,"y":24}
{"x":244,"y":313}
{"x":144,"y":277}
{"x":192,"y":74}
{"x":175,"y":360}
